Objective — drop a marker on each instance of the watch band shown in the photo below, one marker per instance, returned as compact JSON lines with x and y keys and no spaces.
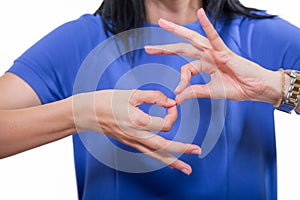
{"x":293,"y":96}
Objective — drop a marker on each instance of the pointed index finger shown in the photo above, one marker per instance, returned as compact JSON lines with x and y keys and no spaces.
{"x":195,"y":38}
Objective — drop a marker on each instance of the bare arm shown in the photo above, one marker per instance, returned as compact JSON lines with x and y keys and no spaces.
{"x":26,"y":124}
{"x":27,"y":128}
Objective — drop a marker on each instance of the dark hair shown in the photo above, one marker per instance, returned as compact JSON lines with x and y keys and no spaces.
{"x":122,"y":15}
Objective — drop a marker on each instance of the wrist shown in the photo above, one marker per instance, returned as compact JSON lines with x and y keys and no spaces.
{"x":274,"y":87}
{"x":83,"y":112}
{"x":284,"y":81}
{"x":60,"y":114}
{"x":291,"y":92}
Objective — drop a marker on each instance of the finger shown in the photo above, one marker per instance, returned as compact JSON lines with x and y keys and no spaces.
{"x":182,"y":49}
{"x":192,"y":36}
{"x":141,"y":119}
{"x":161,"y":156}
{"x":194,"y":91}
{"x":151,"y":97}
{"x":182,"y":166}
{"x":212,"y":35}
{"x":162,"y":148}
{"x":152,"y":123}
{"x":163,"y":124}
{"x":171,"y":161}
{"x":159,"y":149}
{"x":187,"y":71}
{"x":170,"y":118}
{"x":181,"y":148}
{"x":158,"y":143}
{"x":155,"y":142}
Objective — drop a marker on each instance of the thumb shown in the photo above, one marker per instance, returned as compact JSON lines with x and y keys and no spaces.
{"x":194,"y":91}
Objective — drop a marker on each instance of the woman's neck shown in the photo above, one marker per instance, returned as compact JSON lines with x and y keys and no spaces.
{"x":177,"y":11}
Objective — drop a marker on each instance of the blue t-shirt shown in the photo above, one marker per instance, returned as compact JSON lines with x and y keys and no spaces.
{"x":241,"y":165}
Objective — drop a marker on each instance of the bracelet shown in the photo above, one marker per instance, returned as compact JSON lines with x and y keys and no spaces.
{"x":293,"y":96}
{"x":282,"y":88}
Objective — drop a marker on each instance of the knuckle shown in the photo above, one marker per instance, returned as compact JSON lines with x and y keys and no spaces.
{"x":158,"y":145}
{"x":158,"y":158}
{"x":158,"y":95}
{"x":198,"y":54}
{"x":179,"y":51}
{"x":176,"y":165}
{"x":180,"y":48}
{"x":185,"y":68}
{"x":138,"y":119}
{"x":192,"y":36}
{"x":133,"y":96}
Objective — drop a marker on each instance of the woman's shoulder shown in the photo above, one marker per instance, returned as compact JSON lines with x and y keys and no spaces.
{"x":87,"y":25}
{"x":83,"y":33}
{"x":261,"y":39}
{"x":270,"y":27}
{"x":245,"y":31}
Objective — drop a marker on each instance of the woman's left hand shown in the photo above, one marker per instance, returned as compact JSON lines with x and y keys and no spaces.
{"x":232,"y":77}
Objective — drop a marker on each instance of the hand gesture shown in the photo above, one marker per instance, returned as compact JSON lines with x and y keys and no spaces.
{"x":116,"y":114}
{"x":232,"y":77}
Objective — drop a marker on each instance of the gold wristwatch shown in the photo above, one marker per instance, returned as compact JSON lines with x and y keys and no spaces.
{"x":293,"y":96}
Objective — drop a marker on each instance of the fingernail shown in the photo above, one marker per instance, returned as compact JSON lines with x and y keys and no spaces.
{"x":177,"y":101}
{"x":201,"y":10}
{"x":196,"y":151}
{"x":179,"y":87}
{"x":171,"y":101}
{"x":166,"y":24}
{"x":176,"y":90}
{"x":163,"y":21}
{"x":185,"y":171}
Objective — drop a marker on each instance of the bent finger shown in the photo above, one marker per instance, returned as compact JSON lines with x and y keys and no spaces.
{"x":187,"y":71}
{"x":163,"y":124}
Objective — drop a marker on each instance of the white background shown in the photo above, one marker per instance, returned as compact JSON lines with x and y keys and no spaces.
{"x":48,"y":172}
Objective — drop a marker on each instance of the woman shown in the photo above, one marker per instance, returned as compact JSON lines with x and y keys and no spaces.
{"x":241,"y":165}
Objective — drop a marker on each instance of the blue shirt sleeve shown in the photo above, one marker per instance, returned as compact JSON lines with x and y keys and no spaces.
{"x":50,"y":65}
{"x":273,"y":43}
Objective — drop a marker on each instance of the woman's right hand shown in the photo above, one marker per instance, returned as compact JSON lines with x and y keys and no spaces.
{"x":116,"y":114}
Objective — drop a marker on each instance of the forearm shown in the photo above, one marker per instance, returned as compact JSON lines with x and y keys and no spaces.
{"x":24,"y":129}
